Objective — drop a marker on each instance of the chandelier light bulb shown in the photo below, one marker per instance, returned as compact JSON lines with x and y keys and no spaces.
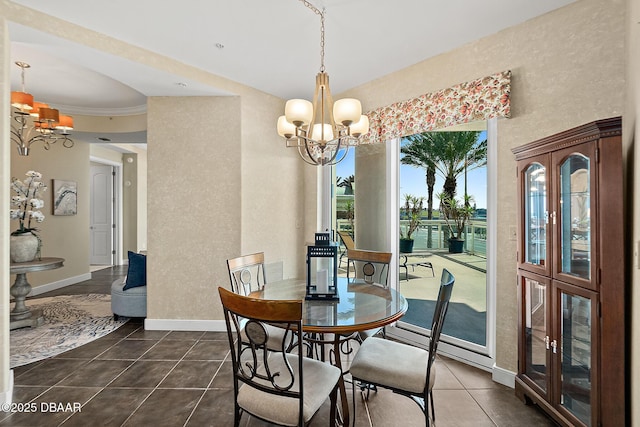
{"x":322,"y":132}
{"x":347,"y":111}
{"x":65,"y":123}
{"x":22,"y":101}
{"x":36,"y":108}
{"x":361,"y":127}
{"x":298,"y":111}
{"x":49,"y":115}
{"x":285,"y":128}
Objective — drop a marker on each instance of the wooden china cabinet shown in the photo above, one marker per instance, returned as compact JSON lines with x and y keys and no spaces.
{"x":572,"y":357}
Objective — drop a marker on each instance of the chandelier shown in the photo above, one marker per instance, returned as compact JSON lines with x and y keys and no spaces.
{"x":322,"y":131}
{"x":35,"y":121}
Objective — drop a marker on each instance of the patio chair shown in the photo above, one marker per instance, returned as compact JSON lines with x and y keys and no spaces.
{"x":276,"y":386}
{"x":402,"y":368}
{"x":348,"y":243}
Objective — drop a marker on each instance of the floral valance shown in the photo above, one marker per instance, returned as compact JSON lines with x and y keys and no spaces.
{"x":477,"y":100}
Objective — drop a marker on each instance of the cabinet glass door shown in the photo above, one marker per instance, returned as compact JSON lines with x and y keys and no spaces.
{"x":536,"y":337}
{"x":575,"y":216}
{"x":576,"y":354}
{"x":535,"y":214}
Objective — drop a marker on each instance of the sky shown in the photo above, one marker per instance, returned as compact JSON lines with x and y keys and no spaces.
{"x":413,"y":180}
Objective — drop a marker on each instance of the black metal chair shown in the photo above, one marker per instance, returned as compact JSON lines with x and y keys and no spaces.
{"x":247,"y":273}
{"x":372,"y":267}
{"x":402,"y":368}
{"x":274,"y":385}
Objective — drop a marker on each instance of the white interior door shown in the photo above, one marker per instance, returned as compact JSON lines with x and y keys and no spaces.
{"x":101,"y":216}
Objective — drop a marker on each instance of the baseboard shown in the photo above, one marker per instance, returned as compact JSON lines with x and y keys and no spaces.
{"x":504,"y":376}
{"x":59,"y":284}
{"x":184,"y":325}
{"x":6,"y":397}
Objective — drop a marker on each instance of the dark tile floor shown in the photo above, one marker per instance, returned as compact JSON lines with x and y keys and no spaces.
{"x":134,"y":377}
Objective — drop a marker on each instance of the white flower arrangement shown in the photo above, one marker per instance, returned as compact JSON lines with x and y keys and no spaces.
{"x":27,"y":202}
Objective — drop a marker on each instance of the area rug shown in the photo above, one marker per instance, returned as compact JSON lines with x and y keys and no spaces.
{"x":69,"y":321}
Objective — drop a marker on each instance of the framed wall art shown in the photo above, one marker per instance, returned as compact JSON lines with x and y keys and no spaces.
{"x":64,"y":197}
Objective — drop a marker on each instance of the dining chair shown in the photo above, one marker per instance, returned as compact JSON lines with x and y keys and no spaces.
{"x":373,"y":268}
{"x":247,"y":273}
{"x":277,"y":386}
{"x":402,"y":368}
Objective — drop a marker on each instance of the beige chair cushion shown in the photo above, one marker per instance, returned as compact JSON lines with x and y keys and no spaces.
{"x":319,"y":380}
{"x":392,"y":364}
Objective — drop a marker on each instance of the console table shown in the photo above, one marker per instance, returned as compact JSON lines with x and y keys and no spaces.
{"x":21,"y":316}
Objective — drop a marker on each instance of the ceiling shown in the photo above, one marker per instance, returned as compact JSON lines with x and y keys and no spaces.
{"x":273,"y":45}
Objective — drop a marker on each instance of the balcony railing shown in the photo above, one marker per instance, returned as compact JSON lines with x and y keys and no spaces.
{"x":475,"y":235}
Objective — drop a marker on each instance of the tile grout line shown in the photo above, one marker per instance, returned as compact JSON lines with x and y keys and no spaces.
{"x":163,"y":378}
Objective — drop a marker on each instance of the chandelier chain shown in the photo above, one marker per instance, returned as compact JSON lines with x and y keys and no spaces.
{"x":321,"y":14}
{"x":321,"y":131}
{"x":22,"y":66}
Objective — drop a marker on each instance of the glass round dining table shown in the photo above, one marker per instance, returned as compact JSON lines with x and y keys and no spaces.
{"x":361,"y":306}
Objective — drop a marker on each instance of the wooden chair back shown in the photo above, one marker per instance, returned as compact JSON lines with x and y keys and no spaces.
{"x":267,"y":370}
{"x":247,"y":274}
{"x":372,"y":266}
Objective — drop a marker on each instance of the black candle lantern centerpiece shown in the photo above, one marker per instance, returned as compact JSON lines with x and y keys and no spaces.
{"x":322,"y":269}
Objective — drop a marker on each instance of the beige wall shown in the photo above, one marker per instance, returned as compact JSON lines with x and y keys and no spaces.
{"x":5,"y":196}
{"x":194,"y":203}
{"x":130,"y":212}
{"x":568,"y":69}
{"x":141,"y":219}
{"x":229,"y":192}
{"x":100,"y":152}
{"x":272,"y":216}
{"x":62,"y":236}
{"x":109,"y":124}
{"x":371,"y":198}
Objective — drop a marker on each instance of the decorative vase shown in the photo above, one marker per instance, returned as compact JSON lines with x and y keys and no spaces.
{"x":406,"y":246}
{"x":456,"y":246}
{"x":23,"y":247}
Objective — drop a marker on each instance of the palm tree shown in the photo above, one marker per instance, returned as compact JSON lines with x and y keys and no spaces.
{"x":445,"y":153}
{"x":347,"y":183}
{"x":420,"y":153}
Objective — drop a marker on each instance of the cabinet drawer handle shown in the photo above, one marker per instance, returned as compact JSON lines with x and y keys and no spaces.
{"x":546,"y":341}
{"x":554,"y":344}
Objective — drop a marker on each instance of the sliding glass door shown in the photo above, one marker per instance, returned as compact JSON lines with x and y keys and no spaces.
{"x":444,"y":207}
{"x":384,"y":194}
